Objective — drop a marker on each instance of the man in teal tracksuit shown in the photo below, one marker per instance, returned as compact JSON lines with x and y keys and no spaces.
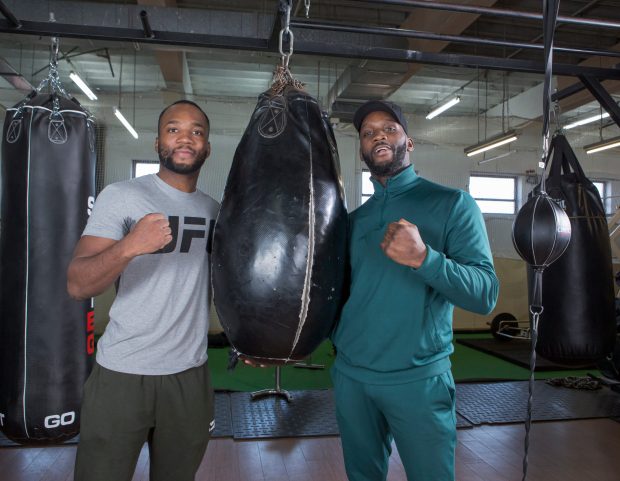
{"x":416,"y":250}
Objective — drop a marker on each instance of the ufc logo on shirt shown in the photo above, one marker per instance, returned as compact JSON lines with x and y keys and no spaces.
{"x":193,"y":228}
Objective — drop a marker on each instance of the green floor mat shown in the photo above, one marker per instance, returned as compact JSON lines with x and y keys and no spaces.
{"x":467,"y":365}
{"x":516,"y":351}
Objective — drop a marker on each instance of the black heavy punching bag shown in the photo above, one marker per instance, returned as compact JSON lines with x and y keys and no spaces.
{"x":280,"y":237}
{"x":46,"y":338}
{"x":578,"y":323}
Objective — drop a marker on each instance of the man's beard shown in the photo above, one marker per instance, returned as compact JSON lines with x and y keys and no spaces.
{"x":389,"y":169}
{"x":166,"y":159}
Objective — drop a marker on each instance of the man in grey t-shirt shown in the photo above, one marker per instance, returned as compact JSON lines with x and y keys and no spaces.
{"x":151,"y":381}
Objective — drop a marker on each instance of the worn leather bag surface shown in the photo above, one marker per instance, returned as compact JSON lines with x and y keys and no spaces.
{"x":46,"y":338}
{"x":577,"y":325}
{"x":280,"y":238}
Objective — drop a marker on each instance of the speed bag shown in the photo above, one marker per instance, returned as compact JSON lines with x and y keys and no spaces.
{"x":578,"y":323}
{"x":46,"y":338}
{"x":280,"y":237}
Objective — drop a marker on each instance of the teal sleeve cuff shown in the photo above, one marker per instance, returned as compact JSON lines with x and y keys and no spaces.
{"x":431,"y":265}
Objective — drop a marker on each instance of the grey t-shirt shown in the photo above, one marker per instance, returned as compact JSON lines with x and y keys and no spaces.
{"x":160,"y":317}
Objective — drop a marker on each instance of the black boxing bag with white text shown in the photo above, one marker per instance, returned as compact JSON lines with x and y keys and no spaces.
{"x":46,"y":338}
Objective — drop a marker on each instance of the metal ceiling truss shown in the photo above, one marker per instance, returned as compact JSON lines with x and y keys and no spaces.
{"x":499,"y":12}
{"x":603,"y":97}
{"x":255,"y":31}
{"x":399,"y":32}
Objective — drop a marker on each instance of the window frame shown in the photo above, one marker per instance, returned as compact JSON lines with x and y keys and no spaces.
{"x":514,"y":199}
{"x":605,"y":184}
{"x":362,"y":194}
{"x":136,"y":162}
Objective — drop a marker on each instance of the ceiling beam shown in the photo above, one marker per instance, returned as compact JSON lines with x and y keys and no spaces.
{"x":451,"y":23}
{"x":13,"y":77}
{"x":246,"y":31}
{"x":444,"y":23}
{"x":603,"y":97}
{"x":172,"y":63}
{"x":583,"y":96}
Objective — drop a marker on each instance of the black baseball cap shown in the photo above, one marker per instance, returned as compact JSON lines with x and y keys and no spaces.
{"x":381,"y":106}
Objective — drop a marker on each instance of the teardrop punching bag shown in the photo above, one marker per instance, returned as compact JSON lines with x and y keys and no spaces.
{"x":46,"y":338}
{"x":280,"y":237}
{"x":578,"y":325}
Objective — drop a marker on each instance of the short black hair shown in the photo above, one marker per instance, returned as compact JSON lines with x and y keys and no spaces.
{"x":182,"y":101}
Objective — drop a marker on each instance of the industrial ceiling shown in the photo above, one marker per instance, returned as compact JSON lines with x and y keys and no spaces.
{"x":143,"y":53}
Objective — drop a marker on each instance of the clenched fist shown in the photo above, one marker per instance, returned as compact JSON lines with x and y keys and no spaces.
{"x":403,"y":244}
{"x":150,"y":234}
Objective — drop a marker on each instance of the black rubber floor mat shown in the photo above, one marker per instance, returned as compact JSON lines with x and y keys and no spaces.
{"x":310,"y":413}
{"x":506,"y":402}
{"x":516,"y":351}
{"x":223,"y":420}
{"x":462,"y":423}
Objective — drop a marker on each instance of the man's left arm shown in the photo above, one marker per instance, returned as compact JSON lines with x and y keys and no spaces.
{"x":464,"y":272}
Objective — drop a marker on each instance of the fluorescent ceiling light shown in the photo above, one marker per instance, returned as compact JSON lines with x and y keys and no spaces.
{"x":587,"y":120}
{"x":80,"y":83}
{"x":124,"y":121}
{"x":502,"y":139}
{"x":603,"y":145}
{"x":442,"y":108}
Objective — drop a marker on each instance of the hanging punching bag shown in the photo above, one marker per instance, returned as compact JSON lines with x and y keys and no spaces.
{"x":578,"y":323}
{"x":280,"y":236}
{"x":46,"y":338}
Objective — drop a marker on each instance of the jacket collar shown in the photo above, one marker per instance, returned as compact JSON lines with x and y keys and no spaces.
{"x":394,"y":185}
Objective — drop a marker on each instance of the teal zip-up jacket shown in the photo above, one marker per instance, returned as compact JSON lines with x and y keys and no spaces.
{"x":396,"y":325}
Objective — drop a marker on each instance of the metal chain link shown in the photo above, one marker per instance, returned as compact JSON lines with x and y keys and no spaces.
{"x":53,"y":82}
{"x":53,"y":78}
{"x":282,"y":76}
{"x":286,"y":30}
{"x":285,"y":57}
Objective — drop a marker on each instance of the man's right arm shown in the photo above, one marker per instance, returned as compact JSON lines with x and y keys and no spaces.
{"x":98,"y":261}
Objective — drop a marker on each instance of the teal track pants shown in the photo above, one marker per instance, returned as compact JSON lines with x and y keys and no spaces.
{"x":419,"y":416}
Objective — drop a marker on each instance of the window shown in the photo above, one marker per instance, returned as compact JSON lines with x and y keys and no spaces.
{"x":144,"y":167}
{"x":367,"y":187}
{"x":602,"y":190}
{"x":600,"y":186}
{"x":494,"y":195}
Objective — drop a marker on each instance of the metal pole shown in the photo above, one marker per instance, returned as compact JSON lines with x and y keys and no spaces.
{"x":591,"y":22}
{"x":399,"y":32}
{"x":146,"y":26}
{"x":278,"y":391}
{"x":9,"y":15}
